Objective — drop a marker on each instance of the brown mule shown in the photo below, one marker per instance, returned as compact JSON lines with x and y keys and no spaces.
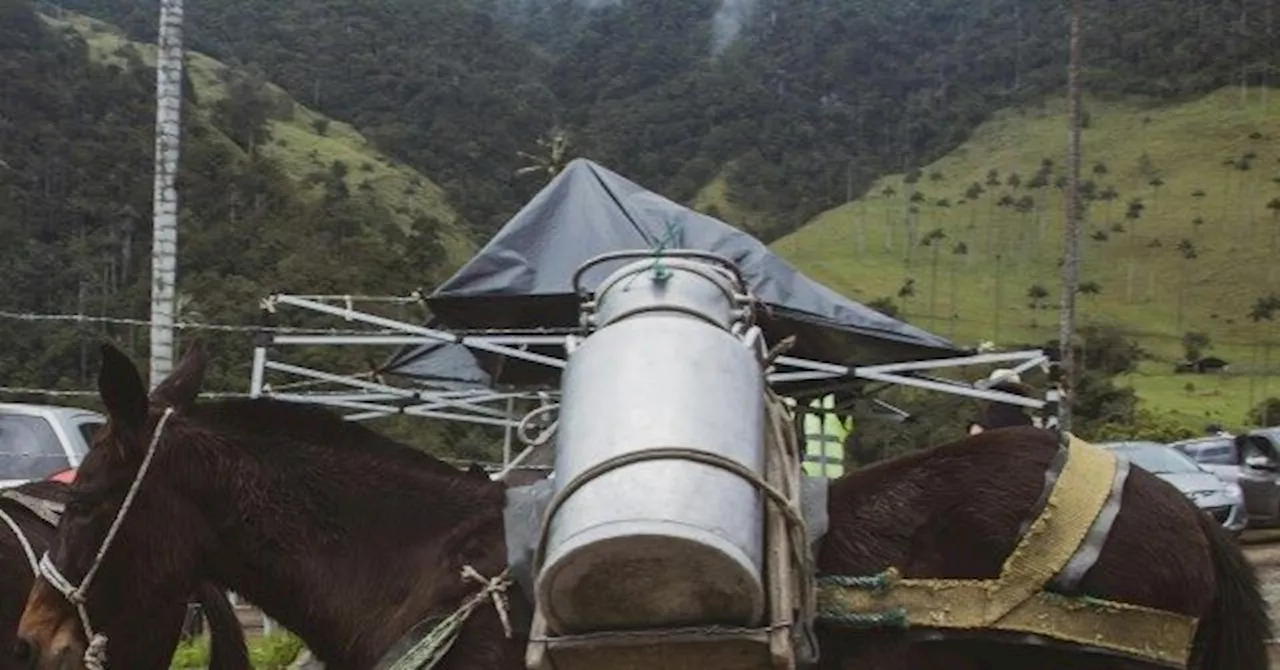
{"x":147,"y":643}
{"x":350,"y":539}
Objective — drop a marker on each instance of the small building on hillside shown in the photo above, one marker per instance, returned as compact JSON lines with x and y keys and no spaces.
{"x":1202,"y":366}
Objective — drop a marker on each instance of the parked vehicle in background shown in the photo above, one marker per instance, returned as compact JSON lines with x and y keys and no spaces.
{"x":1252,"y":461}
{"x":65,"y":476}
{"x":1222,"y":500}
{"x":43,"y":441}
{"x":1271,"y":435}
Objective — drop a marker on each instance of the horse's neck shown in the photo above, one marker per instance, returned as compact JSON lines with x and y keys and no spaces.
{"x":351,"y":565}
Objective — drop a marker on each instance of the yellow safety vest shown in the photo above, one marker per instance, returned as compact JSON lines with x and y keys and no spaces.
{"x":824,"y":435}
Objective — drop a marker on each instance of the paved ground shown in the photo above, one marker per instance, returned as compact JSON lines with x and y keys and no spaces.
{"x":1263,"y":550}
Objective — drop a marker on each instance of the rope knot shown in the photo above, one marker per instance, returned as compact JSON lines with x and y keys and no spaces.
{"x":95,"y":655}
{"x":496,"y":589}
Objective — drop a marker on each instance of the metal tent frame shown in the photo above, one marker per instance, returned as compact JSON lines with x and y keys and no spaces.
{"x":364,"y":396}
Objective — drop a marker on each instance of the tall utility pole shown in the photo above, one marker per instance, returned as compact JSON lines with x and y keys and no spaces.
{"x":1071,"y":235}
{"x":164,"y":235}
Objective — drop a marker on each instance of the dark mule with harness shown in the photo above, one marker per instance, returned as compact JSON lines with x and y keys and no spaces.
{"x":31,"y":513}
{"x":1002,"y":551}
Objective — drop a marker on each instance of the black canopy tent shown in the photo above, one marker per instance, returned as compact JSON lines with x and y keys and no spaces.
{"x":521,"y":282}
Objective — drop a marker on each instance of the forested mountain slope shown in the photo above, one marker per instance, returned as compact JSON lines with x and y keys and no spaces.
{"x":765,"y":112}
{"x":795,"y":106}
{"x":275,"y":198}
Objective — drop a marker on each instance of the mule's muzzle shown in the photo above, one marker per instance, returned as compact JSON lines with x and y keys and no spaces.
{"x":25,"y":652}
{"x":49,"y":636}
{"x":31,"y":655}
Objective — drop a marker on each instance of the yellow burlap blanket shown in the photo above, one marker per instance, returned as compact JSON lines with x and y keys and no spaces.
{"x":1017,"y":601}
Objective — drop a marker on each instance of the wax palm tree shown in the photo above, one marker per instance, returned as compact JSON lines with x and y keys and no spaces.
{"x":887,"y":193}
{"x":960,"y":249}
{"x":1036,"y":295}
{"x":972,"y":194}
{"x":1108,"y":195}
{"x":933,"y":240}
{"x":1072,"y":225}
{"x":906,"y":292}
{"x":555,"y":144}
{"x":1186,"y":249}
{"x":1155,"y":185}
{"x":1274,"y":206}
{"x":1264,"y":309}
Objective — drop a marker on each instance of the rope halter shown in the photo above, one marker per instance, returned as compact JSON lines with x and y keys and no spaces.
{"x":23,"y":540}
{"x":95,"y":654}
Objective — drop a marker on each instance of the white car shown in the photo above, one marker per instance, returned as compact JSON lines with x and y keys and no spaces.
{"x":40,"y":441}
{"x":1222,"y":500}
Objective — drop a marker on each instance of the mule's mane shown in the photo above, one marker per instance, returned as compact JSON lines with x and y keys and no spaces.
{"x":328,"y":460}
{"x":282,"y":423}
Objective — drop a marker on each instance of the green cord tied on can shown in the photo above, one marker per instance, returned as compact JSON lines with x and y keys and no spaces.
{"x":661,"y":272}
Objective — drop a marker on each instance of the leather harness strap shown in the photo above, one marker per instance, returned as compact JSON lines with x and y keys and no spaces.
{"x":48,"y":510}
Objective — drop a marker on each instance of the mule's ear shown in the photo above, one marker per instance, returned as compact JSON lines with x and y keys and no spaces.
{"x":122,"y":391}
{"x":180,"y":388}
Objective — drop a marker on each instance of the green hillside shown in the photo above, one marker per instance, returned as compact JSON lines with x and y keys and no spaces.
{"x":302,"y":141}
{"x":1182,"y":229}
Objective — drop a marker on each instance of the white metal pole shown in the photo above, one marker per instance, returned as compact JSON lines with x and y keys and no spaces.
{"x":259,"y":371}
{"x":508,"y":437}
{"x":164,"y":240}
{"x":1071,"y":231}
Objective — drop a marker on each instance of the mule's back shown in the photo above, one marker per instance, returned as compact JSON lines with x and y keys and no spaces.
{"x":958,"y":511}
{"x":952,"y":510}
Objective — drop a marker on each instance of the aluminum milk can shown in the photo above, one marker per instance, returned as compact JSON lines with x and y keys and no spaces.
{"x":662,"y":543}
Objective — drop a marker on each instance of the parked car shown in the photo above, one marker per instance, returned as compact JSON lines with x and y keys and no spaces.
{"x":43,"y":441}
{"x":1222,"y":500}
{"x":65,"y":476}
{"x":1248,"y":460}
{"x":1271,"y":435}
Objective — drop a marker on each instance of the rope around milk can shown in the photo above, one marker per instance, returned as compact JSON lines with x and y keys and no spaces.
{"x":793,"y":517}
{"x":431,"y":649}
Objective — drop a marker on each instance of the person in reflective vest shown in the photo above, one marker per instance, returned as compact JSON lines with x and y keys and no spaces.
{"x":824,"y":437}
